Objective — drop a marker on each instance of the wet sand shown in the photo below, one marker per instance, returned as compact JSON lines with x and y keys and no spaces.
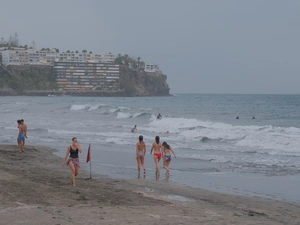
{"x":36,"y":189}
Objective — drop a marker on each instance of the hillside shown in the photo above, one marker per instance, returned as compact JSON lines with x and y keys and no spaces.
{"x":39,"y":80}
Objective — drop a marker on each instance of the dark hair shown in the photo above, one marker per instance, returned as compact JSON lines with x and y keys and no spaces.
{"x":157,"y":139}
{"x":74,"y":138}
{"x":165,"y":144}
{"x":18,"y":121}
{"x":141,"y":138}
{"x":22,"y":120}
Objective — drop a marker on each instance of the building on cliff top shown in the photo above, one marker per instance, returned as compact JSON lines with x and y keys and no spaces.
{"x":48,"y":57}
{"x":152,"y":68}
{"x":87,"y":76}
{"x":73,"y":71}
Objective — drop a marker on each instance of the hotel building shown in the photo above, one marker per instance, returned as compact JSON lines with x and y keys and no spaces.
{"x":87,"y":76}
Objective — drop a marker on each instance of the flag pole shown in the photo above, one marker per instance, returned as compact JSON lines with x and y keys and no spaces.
{"x":90,"y":162}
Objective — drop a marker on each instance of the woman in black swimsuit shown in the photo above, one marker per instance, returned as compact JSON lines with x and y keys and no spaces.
{"x":73,"y":160}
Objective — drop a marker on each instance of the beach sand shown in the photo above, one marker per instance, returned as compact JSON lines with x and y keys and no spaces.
{"x":35,"y":189}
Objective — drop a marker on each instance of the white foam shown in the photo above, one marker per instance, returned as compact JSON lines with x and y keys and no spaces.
{"x":123,"y":115}
{"x":79,"y":107}
{"x":274,"y":140}
{"x":93,"y":107}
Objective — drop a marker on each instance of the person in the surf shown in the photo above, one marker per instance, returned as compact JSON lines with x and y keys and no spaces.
{"x":134,"y":129}
{"x":159,"y":116}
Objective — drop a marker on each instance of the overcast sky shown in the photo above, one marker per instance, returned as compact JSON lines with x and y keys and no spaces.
{"x":211,"y":46}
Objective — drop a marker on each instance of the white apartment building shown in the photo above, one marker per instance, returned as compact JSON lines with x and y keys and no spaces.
{"x":28,"y":57}
{"x":151,"y":68}
{"x":45,"y":57}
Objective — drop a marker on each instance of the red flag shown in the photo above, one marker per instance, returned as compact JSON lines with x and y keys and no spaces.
{"x":88,"y":157}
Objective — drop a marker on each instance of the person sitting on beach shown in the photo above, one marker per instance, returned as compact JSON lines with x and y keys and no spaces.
{"x":159,"y":116}
{"x":167,"y":132}
{"x":140,"y":154}
{"x":134,"y":129}
{"x":73,"y":160}
{"x":21,"y":135}
{"x":156,"y":146}
{"x":167,"y":149}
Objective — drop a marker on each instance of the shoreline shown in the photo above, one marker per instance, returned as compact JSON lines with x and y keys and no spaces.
{"x":35,"y":189}
{"x":94,"y":93}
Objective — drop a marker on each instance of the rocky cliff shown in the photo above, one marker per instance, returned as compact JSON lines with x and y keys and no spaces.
{"x":19,"y":79}
{"x":39,"y":80}
{"x":139,"y":83}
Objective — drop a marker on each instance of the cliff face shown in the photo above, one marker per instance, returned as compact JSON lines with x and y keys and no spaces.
{"x":140,"y":83}
{"x":39,"y":80}
{"x":18,"y":79}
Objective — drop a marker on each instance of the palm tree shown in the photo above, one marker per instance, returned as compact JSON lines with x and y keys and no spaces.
{"x":138,"y":58}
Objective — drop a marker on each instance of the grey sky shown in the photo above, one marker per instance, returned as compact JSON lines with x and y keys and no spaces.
{"x":212,"y":46}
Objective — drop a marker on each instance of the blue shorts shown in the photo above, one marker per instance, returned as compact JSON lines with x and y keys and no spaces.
{"x":168,"y":157}
{"x":21,"y":137}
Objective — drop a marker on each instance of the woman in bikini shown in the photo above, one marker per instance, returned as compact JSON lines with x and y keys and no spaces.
{"x":71,"y":159}
{"x":167,"y":149}
{"x":140,"y":154}
{"x":156,"y":146}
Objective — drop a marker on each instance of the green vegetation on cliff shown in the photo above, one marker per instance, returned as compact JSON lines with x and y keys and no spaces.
{"x":136,"y":82}
{"x":20,"y":78}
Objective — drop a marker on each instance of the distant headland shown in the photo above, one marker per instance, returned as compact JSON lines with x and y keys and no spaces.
{"x":41,"y":72}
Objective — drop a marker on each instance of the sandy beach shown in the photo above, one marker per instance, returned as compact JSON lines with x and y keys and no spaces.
{"x":36,"y":189}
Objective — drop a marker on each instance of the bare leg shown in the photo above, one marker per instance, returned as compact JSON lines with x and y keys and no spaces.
{"x":156,"y":160}
{"x":167,"y":167}
{"x":138,"y":165}
{"x":76,"y":171}
{"x":18,"y":141}
{"x":21,"y":146}
{"x":73,"y":172}
{"x":143,"y":164}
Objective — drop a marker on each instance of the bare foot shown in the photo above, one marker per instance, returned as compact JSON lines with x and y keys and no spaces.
{"x":72,"y":182}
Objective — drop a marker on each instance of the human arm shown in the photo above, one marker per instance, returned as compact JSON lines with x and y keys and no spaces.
{"x":162,"y":151}
{"x":145,"y":148}
{"x":136,"y":150}
{"x":67,"y":154}
{"x":151,"y":148}
{"x":25,"y":130}
{"x":79,"y":148}
{"x":172,"y":151}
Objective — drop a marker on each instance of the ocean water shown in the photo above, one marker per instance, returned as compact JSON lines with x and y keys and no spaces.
{"x":215,"y":151}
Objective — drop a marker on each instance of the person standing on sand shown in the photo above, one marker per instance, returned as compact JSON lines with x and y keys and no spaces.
{"x":167,"y":149}
{"x":156,"y":146}
{"x":21,"y":136}
{"x":140,"y":154}
{"x":19,"y":122}
{"x":73,"y":160}
{"x":25,"y":128}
